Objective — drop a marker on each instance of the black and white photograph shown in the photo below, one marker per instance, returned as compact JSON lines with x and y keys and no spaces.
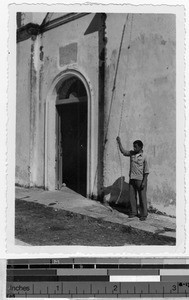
{"x":99,"y":127}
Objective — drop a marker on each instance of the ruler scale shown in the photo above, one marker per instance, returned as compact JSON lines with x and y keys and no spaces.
{"x":100,"y":278}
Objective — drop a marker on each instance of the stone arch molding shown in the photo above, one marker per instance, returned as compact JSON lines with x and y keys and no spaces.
{"x":50,"y":132}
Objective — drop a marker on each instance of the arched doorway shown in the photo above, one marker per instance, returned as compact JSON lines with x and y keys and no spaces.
{"x":71,"y":134}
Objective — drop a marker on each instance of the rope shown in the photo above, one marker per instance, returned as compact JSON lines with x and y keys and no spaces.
{"x":122,"y":105}
{"x":113,"y":93}
{"x":121,"y":117}
{"x":115,"y":77}
{"x":123,"y":100}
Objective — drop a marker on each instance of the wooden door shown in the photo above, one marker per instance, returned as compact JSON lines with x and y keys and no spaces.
{"x":72,"y":146}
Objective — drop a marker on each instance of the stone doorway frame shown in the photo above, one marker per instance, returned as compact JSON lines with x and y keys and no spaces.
{"x":50,"y":133}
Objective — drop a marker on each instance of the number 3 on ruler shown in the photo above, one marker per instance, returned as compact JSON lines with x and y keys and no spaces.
{"x":174,"y":287}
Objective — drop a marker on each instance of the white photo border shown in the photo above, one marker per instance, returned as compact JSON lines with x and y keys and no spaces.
{"x":126,"y":251}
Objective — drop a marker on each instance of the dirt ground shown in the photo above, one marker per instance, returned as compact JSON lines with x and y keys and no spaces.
{"x":37,"y":224}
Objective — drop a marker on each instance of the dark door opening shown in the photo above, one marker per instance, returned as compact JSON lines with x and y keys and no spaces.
{"x":72,"y":143}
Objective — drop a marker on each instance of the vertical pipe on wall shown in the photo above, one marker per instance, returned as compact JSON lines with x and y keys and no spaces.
{"x":102,"y":57}
{"x":32,"y":86}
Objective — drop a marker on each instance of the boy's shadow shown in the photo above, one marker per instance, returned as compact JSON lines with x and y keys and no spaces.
{"x":117,"y":195}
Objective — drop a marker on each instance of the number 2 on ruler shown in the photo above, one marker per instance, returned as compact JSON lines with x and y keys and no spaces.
{"x":114,"y":288}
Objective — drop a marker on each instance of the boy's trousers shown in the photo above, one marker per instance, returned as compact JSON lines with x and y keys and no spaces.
{"x":134,"y":188}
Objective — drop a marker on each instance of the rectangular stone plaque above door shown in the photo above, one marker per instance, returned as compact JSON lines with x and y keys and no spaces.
{"x":68,"y":54}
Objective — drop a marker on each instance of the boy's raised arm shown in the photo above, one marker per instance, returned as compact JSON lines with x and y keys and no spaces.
{"x":123,"y":151}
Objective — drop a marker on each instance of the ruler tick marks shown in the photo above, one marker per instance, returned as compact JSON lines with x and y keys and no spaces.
{"x":118,"y":288}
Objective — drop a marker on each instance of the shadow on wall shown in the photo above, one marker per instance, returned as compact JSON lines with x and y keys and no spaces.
{"x":117,"y":195}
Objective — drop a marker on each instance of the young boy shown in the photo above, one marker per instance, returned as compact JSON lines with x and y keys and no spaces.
{"x":137,"y":178}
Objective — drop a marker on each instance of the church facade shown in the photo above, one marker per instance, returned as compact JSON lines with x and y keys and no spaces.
{"x":83,"y":79}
